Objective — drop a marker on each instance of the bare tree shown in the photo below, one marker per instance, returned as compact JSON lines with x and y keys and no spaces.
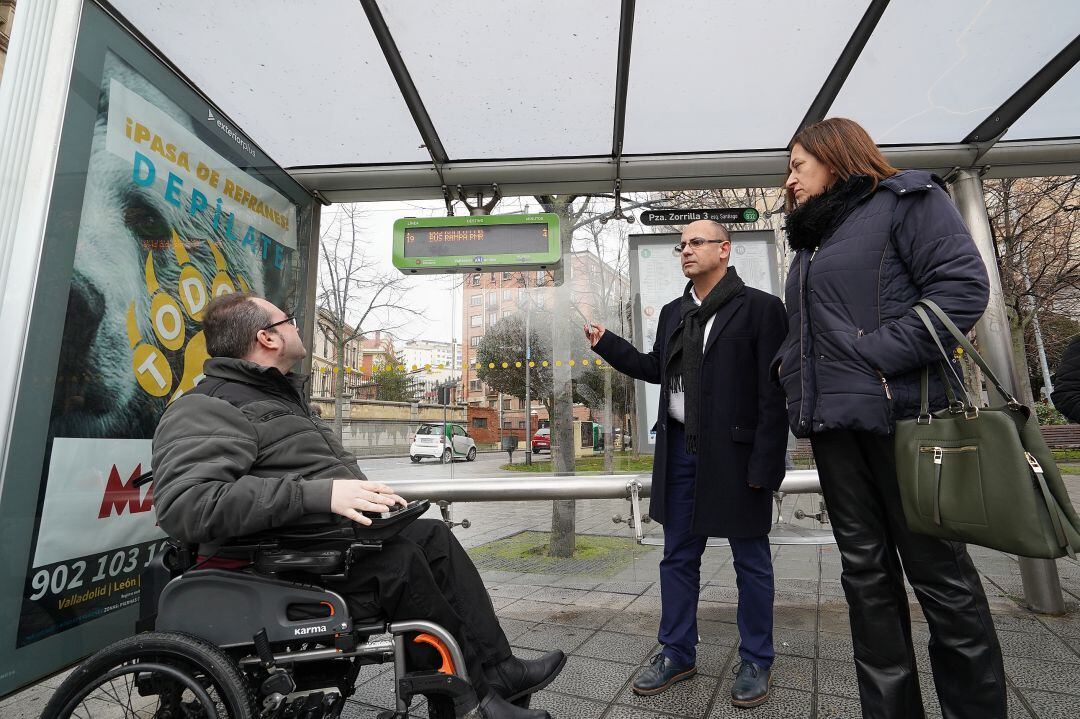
{"x":356,"y":295}
{"x":608,"y":294}
{"x":1036,"y":228}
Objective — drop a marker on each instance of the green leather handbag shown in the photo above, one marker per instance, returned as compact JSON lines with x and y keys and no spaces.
{"x":981,"y":475}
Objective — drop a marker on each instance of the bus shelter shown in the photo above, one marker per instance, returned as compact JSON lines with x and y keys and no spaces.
{"x":128,"y":128}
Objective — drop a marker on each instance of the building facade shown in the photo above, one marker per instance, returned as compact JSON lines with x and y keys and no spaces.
{"x":488,"y":297}
{"x":7,"y":16}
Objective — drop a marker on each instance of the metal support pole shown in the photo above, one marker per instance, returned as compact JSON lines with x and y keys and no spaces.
{"x":1042,"y":589}
{"x":528,"y":372}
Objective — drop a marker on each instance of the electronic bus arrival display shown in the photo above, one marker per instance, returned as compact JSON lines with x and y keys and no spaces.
{"x":431,"y":245}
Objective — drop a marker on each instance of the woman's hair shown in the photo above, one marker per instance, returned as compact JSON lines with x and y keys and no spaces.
{"x":844,"y":146}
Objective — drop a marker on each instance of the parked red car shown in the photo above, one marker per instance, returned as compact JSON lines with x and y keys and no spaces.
{"x":542,"y":440}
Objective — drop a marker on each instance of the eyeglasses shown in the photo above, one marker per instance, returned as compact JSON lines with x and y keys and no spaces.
{"x":290,"y":320}
{"x":695,"y":245}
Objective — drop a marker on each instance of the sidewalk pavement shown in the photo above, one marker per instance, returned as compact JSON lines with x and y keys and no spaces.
{"x":607,"y":625}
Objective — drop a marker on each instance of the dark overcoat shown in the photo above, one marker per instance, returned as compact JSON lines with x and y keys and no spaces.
{"x":743,"y":435}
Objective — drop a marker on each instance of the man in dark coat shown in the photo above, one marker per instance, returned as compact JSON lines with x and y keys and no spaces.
{"x":721,"y":438}
{"x":1066,"y":394}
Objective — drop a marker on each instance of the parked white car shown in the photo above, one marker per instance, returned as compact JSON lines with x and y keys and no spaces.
{"x":444,"y":443}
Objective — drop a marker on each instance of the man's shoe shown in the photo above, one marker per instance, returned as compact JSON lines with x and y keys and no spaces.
{"x":659,"y":675}
{"x":494,"y":706}
{"x":514,"y":678}
{"x":751,"y":687}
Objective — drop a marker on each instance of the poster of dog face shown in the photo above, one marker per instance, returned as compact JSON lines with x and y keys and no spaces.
{"x":167,"y":223}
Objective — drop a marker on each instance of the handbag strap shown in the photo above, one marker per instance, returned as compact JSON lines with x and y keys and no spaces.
{"x":924,"y":400}
{"x":966,"y":345}
{"x":924,"y":394}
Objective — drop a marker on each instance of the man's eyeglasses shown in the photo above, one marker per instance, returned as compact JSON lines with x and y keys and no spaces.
{"x":290,"y":320}
{"x":695,"y":245}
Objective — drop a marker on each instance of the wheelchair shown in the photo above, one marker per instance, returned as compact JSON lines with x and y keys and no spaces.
{"x":264,"y":642}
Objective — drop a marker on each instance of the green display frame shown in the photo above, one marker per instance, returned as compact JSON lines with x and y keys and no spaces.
{"x":485,"y":261}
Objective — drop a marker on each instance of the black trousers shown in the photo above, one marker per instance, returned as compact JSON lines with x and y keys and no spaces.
{"x":424,"y":573}
{"x":858,"y":480}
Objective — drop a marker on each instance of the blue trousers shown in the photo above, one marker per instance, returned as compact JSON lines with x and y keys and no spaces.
{"x":680,"y":571}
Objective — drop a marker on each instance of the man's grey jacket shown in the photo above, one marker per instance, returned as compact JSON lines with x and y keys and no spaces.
{"x":241,"y":453}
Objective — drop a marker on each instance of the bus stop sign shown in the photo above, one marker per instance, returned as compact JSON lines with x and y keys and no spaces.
{"x":685,"y":217}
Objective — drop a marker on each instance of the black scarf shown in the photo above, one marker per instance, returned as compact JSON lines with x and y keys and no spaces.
{"x":814,"y":220}
{"x":688,"y":347}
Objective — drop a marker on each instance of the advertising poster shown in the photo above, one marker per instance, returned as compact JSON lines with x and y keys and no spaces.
{"x":656,"y":278}
{"x":167,"y":223}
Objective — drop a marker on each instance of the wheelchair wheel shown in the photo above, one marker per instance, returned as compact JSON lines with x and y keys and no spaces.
{"x":164,"y":675}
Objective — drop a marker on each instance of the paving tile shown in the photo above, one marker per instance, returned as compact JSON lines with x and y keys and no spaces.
{"x":514,"y":628}
{"x":620,"y":711}
{"x":592,"y":678}
{"x":1036,"y":646}
{"x":834,"y":707}
{"x":546,"y":637}
{"x":27,"y":704}
{"x":636,"y":588}
{"x":576,"y":582}
{"x":528,"y":610}
{"x":710,"y":632}
{"x":795,"y":618}
{"x":567,"y":706}
{"x":516,"y":591}
{"x":591,"y":617}
{"x":687,"y":698}
{"x":714,"y":660}
{"x":794,"y":641}
{"x":714,"y":593}
{"x":557,"y":595}
{"x":1067,"y":626}
{"x":837,"y":678}
{"x":835,"y":646}
{"x":616,"y":647}
{"x":606,"y":600}
{"x":836,"y":622}
{"x":1043,"y":675}
{"x":635,"y":623}
{"x":1050,"y":705}
{"x":717,"y":611}
{"x":792,"y":672}
{"x":782,"y":703}
{"x":645,"y":604}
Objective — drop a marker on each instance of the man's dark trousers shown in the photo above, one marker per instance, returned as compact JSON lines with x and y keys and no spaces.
{"x":680,"y":570}
{"x":424,"y":573}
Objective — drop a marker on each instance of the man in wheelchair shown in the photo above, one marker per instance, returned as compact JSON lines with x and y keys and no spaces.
{"x":241,"y":455}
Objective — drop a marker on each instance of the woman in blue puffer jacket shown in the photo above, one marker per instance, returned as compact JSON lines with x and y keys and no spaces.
{"x":870,"y":241}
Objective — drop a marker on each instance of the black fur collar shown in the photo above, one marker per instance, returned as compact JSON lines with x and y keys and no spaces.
{"x":811,"y":221}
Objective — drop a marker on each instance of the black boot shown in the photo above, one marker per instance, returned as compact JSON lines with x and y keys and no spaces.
{"x":514,"y":678}
{"x":495,"y":707}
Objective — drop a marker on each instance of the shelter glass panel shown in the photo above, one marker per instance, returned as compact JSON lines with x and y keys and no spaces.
{"x":1056,"y":114}
{"x":323,"y":96}
{"x":496,"y":87}
{"x":932,"y":71}
{"x":711,"y":77}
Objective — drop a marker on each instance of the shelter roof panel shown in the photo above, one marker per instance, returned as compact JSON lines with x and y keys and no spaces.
{"x":308,"y":83}
{"x":509,"y":79}
{"x":738,"y":77}
{"x":1055,"y":114}
{"x":933,"y":70}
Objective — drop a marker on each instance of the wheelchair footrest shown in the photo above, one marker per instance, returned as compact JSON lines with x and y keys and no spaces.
{"x":432,"y":682}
